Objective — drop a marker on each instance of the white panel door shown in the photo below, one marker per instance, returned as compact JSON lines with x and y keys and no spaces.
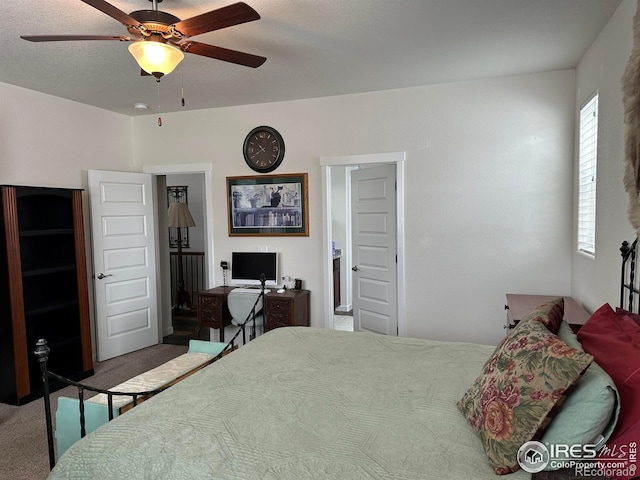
{"x":124,"y":265}
{"x":373,"y":214}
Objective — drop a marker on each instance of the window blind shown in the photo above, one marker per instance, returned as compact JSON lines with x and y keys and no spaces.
{"x":587,"y":174}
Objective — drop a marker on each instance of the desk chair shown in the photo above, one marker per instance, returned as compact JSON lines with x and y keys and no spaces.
{"x":241,"y":304}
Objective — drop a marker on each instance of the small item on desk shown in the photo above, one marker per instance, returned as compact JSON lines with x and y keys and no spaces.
{"x":281,"y":290}
{"x":298,"y":284}
{"x":288,"y":282}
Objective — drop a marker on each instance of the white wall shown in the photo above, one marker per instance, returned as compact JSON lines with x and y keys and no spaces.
{"x":49,"y":141}
{"x":596,"y":280}
{"x":488,"y":186}
{"x":52,"y":142}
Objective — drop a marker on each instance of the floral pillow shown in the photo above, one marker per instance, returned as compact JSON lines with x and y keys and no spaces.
{"x":511,"y":401}
{"x":550,"y":314}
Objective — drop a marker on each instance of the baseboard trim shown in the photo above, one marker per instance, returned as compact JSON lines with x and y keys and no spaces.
{"x":344,"y":308}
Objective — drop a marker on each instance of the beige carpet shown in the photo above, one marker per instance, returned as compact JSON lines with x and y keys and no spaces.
{"x":23,"y":434}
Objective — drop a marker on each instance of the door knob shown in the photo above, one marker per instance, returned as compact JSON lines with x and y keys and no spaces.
{"x":102,"y":275}
{"x":354,"y":268}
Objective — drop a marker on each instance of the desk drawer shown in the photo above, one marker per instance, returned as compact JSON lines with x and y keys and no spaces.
{"x":287,"y":309}
{"x":213,"y":311}
{"x":278,"y":305}
{"x":278,"y":313}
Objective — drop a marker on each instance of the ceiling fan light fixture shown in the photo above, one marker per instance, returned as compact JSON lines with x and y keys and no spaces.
{"x":156,"y":56}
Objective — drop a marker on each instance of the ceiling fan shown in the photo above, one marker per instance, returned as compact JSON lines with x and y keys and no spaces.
{"x":159,"y":38}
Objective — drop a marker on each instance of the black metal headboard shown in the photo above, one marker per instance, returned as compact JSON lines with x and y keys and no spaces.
{"x":629,"y":292}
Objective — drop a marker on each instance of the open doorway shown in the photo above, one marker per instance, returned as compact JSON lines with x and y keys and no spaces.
{"x":336,"y":172}
{"x":197,"y":179}
{"x":187,"y":272}
{"x":341,"y":246}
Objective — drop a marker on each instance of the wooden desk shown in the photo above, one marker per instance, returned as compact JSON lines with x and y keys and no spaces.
{"x":518,"y":306}
{"x":288,"y":309}
{"x":213,"y":311}
{"x":291,"y":308}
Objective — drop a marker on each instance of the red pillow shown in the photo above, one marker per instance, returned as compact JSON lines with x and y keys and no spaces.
{"x":633,"y":316}
{"x":614,"y":341}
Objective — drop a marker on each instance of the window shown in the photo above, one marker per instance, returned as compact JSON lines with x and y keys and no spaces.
{"x":587,"y":172}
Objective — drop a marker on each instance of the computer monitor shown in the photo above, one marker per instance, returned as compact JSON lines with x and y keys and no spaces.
{"x":247,"y":267}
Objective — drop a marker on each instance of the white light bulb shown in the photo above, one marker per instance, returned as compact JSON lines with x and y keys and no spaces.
{"x":155,"y":53}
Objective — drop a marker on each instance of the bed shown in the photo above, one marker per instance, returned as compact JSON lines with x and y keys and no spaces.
{"x":302,"y":402}
{"x":319,"y":404}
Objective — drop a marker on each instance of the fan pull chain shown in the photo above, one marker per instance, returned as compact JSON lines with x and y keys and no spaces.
{"x":159,"y":117}
{"x":182,"y":72}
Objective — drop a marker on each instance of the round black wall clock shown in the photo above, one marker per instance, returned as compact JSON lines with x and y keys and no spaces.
{"x":263,"y":149}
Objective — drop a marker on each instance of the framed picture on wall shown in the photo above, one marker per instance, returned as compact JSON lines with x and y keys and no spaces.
{"x":270,"y":205}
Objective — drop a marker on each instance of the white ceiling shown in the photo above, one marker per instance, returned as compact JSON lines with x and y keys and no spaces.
{"x":314,"y":48}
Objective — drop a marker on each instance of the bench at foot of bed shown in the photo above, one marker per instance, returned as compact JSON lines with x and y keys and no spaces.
{"x":199,"y":355}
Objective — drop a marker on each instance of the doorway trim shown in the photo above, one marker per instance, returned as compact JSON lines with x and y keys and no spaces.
{"x":397,"y":158}
{"x":205,"y":169}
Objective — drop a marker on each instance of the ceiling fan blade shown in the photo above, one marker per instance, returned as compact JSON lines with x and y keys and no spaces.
{"x":113,"y":12}
{"x":228,"y":16}
{"x":66,"y":38}
{"x":223,"y":54}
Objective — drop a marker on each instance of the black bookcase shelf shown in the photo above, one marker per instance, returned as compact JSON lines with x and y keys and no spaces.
{"x":49,"y":270}
{"x":39,"y":233}
{"x":43,"y":288}
{"x":51,"y":308}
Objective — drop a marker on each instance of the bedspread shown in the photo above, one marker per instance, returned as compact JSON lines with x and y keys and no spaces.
{"x":302,"y":403}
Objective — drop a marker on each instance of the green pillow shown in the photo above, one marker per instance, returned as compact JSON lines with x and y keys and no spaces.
{"x":202,"y":346}
{"x":590,"y":412}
